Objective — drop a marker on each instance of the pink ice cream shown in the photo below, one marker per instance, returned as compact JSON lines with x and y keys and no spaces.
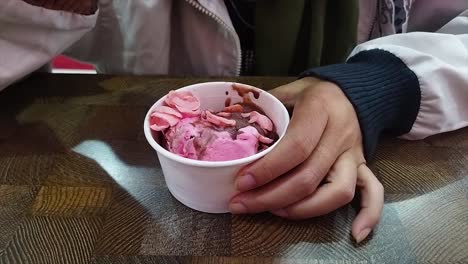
{"x":236,"y":132}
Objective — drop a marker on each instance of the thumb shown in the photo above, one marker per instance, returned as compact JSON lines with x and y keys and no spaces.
{"x":289,"y":93}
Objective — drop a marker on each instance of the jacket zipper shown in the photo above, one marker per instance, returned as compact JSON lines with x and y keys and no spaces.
{"x":212,"y":15}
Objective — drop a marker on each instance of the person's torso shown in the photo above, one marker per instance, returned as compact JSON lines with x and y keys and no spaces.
{"x":189,"y":37}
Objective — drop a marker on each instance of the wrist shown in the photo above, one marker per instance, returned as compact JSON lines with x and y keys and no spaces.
{"x":384,"y":92}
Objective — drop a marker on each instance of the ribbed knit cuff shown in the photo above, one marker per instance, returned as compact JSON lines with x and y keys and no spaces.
{"x":384,"y":92}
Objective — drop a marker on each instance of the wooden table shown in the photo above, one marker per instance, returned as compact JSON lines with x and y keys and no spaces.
{"x":80,"y":184}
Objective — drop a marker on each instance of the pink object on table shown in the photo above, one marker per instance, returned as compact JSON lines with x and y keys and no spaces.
{"x":63,"y":62}
{"x":202,"y":135}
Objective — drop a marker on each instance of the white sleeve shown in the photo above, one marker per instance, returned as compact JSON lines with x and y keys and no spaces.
{"x":31,"y":36}
{"x":440,"y":61}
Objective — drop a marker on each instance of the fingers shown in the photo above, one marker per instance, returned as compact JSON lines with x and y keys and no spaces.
{"x":302,"y":136}
{"x":74,"y":6}
{"x":50,"y":4}
{"x":83,"y":10}
{"x":298,"y":183}
{"x":338,"y":192}
{"x":286,"y":190}
{"x":372,"y":202}
{"x":37,"y":2}
{"x":80,"y":7}
{"x":68,"y":5}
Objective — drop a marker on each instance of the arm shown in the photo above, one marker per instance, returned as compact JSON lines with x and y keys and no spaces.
{"x":412,"y":85}
{"x":30,"y":35}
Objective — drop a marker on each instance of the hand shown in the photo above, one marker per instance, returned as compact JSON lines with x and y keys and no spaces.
{"x":82,"y":7}
{"x":318,"y":164}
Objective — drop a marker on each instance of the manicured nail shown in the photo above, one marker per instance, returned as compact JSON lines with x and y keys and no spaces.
{"x":362,"y":235}
{"x":237,"y":208}
{"x":280,"y":212}
{"x":245,"y":182}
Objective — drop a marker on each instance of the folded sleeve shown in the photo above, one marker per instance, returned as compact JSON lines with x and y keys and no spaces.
{"x":412,"y":85}
{"x":31,"y":36}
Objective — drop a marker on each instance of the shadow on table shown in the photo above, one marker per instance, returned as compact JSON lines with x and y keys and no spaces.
{"x":409,"y":169}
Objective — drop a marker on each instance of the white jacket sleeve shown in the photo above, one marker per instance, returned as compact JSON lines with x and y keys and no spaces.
{"x":440,"y":62}
{"x":31,"y":36}
{"x":411,"y":85}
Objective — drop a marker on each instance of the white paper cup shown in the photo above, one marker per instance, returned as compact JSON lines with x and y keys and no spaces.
{"x":208,"y":186}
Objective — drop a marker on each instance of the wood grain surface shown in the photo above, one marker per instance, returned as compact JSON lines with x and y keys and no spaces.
{"x":80,"y":184}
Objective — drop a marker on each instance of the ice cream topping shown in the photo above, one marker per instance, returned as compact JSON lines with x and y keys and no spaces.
{"x":238,"y":131}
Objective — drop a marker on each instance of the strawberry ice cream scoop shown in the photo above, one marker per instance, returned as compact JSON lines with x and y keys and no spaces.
{"x":192,"y":132}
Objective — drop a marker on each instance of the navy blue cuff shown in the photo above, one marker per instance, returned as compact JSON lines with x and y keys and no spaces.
{"x":384,"y":92}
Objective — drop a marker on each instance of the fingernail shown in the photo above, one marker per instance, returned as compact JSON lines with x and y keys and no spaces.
{"x":362,"y":235}
{"x":237,"y":208}
{"x":280,"y":212}
{"x":245,"y":182}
